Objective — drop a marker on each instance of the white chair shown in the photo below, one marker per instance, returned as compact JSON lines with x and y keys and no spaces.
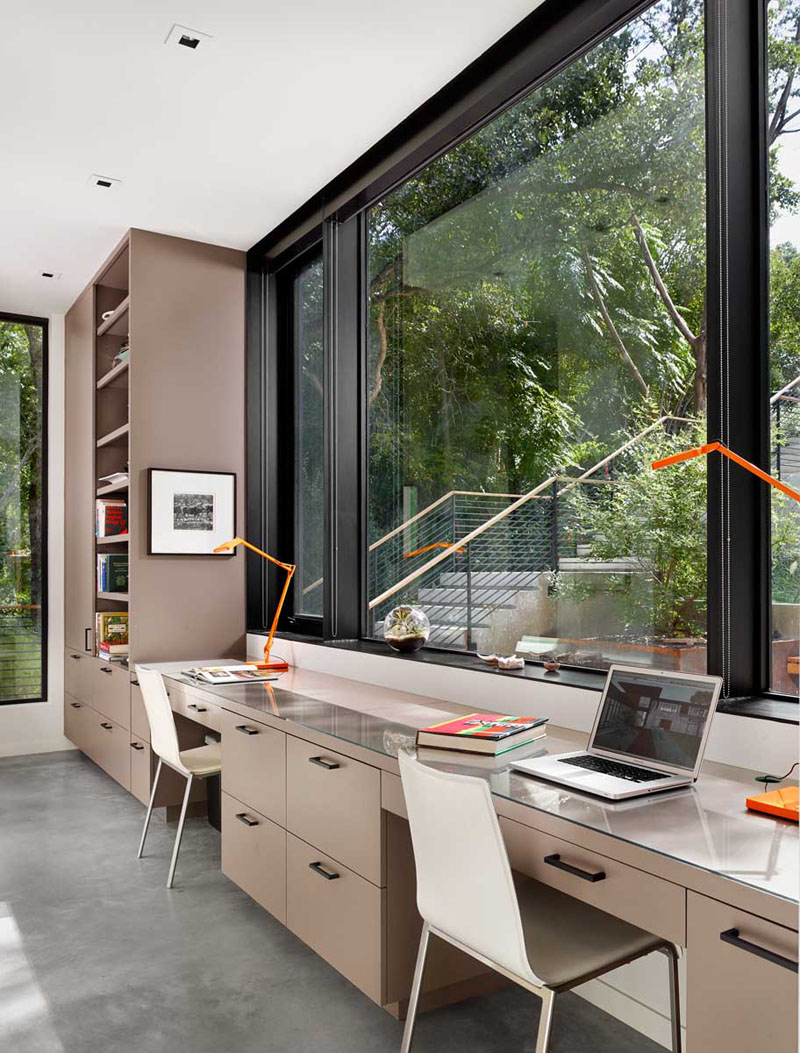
{"x":193,"y":764}
{"x":535,"y":935}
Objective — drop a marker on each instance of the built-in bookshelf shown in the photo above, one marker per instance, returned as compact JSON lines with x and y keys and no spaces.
{"x":112,"y":353}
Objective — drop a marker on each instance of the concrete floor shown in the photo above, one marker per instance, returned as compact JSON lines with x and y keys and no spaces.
{"x":96,"y":956}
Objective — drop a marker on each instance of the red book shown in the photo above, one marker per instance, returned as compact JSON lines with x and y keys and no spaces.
{"x":490,"y":733}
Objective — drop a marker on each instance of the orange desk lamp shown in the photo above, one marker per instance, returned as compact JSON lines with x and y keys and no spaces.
{"x":717,"y":447}
{"x":228,"y":546}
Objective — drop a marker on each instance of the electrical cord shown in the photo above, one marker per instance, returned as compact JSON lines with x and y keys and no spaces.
{"x":768,"y":779}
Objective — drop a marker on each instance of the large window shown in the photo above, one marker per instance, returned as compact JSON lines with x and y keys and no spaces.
{"x":783,"y":126}
{"x":537,"y":336}
{"x":23,"y":349}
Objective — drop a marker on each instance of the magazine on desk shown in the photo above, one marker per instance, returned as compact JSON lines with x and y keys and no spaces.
{"x":229,"y":674}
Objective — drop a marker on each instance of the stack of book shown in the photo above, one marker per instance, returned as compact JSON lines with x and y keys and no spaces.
{"x":111,"y":516}
{"x":111,"y":628}
{"x":123,"y":354}
{"x":112,"y":572}
{"x":486,"y":733}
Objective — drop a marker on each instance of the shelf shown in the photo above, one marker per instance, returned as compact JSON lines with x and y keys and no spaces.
{"x":113,"y":437}
{"x":112,"y":374}
{"x":113,"y":324}
{"x":112,"y":488}
{"x":113,"y":596}
{"x":113,"y":539}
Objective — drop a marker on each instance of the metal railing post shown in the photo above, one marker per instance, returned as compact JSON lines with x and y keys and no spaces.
{"x":554,"y":529}
{"x":469,"y":598}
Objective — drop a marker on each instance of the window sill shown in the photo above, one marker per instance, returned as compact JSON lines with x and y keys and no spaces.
{"x":757,"y":707}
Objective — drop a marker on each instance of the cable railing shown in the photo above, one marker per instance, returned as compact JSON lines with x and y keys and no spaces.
{"x":20,"y":652}
{"x":468,"y":555}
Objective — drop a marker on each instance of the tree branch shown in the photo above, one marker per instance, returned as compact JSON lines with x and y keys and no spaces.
{"x":779,"y":116}
{"x":597,"y":296}
{"x":677,"y":319}
{"x":377,"y":383}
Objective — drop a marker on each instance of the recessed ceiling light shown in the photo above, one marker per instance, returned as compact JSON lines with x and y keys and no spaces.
{"x":183,"y":36}
{"x":51,"y":274}
{"x":103,"y":181}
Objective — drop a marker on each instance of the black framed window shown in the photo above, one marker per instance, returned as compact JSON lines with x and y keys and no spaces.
{"x":23,"y":508}
{"x":783,"y":125}
{"x":553,"y":271}
{"x":300,"y":531}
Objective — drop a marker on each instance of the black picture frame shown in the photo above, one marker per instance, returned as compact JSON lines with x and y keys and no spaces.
{"x":157,"y":550}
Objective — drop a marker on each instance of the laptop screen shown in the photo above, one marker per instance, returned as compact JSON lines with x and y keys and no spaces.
{"x":655,"y":717}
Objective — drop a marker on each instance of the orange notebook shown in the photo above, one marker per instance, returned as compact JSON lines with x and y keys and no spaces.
{"x":777,"y":802}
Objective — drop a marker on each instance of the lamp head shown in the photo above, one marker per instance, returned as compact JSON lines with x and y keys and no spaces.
{"x":228,"y":546}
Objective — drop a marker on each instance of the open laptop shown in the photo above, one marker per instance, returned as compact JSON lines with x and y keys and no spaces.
{"x":649,"y":735}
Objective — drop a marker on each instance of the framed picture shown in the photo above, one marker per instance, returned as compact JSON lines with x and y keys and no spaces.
{"x":191,"y":512}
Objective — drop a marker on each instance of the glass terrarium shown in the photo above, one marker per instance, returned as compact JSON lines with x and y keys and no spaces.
{"x":406,"y":628}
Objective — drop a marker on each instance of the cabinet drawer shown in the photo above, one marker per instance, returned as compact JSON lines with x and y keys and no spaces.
{"x":110,"y":748}
{"x":334,"y":802}
{"x":737,"y":1000}
{"x":140,"y":726}
{"x":339,"y":916}
{"x":112,"y":692}
{"x":79,"y":675}
{"x":195,"y":709}
{"x":254,"y":855}
{"x":653,"y":904}
{"x":141,"y":769}
{"x":77,"y":722}
{"x":254,"y":765}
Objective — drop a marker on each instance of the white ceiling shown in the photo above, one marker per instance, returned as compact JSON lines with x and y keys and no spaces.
{"x":218,"y":144}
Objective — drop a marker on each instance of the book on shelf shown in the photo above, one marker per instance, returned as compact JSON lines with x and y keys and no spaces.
{"x":486,"y":733}
{"x":111,"y":516}
{"x":111,"y":628}
{"x":112,"y":572}
{"x":112,"y":653}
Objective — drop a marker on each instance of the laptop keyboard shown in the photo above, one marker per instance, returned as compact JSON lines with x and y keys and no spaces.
{"x":609,"y":767}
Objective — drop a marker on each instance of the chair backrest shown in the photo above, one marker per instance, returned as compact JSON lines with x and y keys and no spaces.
{"x":163,"y":736}
{"x":464,"y":882}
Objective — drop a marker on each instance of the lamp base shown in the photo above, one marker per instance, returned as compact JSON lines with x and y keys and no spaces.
{"x":274,"y":665}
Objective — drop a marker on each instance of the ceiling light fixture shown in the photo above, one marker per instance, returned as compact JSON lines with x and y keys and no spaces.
{"x":184,"y":37}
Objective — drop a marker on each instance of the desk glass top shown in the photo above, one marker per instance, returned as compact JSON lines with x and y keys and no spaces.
{"x":706,"y":826}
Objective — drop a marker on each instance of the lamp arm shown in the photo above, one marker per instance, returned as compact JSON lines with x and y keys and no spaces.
{"x":285,"y":566}
{"x":717,"y":447}
{"x":290,"y":572}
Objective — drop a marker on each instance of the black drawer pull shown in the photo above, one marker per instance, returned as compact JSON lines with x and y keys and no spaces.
{"x":108,"y":727}
{"x":77,"y":657}
{"x":198,"y":709}
{"x":106,"y":669}
{"x":246,"y":729}
{"x":329,"y":875}
{"x":87,"y":646}
{"x":75,"y":705}
{"x":137,"y":746}
{"x":328,"y":765}
{"x":556,"y":861}
{"x":732,"y":937}
{"x":243,"y":817}
{"x":135,"y":683}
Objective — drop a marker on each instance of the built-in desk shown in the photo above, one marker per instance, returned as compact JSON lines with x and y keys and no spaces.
{"x":314,"y":829}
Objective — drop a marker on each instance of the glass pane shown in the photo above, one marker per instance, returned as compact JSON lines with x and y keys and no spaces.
{"x":537,"y":338}
{"x":308,"y":438}
{"x":784,"y":172}
{"x":21,"y":497}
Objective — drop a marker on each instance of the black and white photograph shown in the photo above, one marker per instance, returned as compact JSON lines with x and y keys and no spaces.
{"x":191,"y":512}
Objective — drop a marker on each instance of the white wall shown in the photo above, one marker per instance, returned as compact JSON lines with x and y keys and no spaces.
{"x":638,"y":993}
{"x":37,"y":727}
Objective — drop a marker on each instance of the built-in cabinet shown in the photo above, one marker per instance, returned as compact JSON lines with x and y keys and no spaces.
{"x":175,"y":401}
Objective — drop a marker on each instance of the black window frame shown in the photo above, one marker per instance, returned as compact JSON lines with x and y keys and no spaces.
{"x":550,"y":38}
{"x":44,"y":325}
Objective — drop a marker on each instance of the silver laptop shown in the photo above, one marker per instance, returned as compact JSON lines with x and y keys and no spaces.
{"x":649,"y":735}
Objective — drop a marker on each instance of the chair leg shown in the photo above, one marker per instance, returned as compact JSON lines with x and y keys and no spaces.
{"x":149,"y":810}
{"x":674,"y":998}
{"x":416,"y":987}
{"x":179,"y":834}
{"x":545,"y":1020}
